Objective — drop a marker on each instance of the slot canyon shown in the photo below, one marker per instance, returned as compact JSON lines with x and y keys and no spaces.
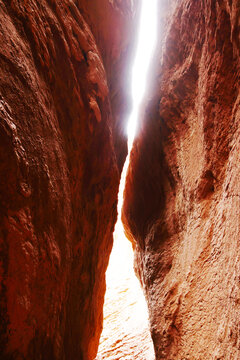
{"x":65,"y":98}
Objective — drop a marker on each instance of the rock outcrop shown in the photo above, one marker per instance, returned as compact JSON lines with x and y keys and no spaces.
{"x":59,"y":173}
{"x":182,"y":198}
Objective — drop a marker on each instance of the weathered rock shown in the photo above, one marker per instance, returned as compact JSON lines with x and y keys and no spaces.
{"x":58,"y":172}
{"x":114,"y":28}
{"x":182,"y":197}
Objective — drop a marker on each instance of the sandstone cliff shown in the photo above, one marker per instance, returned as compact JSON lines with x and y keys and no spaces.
{"x":182,"y":197}
{"x":58,"y":170}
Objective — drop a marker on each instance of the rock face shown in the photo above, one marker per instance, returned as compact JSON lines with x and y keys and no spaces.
{"x":58,"y":171}
{"x":182,"y":198}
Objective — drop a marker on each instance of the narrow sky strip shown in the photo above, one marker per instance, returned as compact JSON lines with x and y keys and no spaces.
{"x":147,"y":38}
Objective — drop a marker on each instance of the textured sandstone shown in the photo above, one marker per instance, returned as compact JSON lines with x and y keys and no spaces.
{"x":58,"y":171}
{"x":182,"y":198}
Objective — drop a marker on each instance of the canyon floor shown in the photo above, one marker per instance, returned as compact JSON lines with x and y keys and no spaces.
{"x":126,"y":332}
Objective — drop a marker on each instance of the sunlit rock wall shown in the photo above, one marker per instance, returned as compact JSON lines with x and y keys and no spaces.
{"x":182,"y":199}
{"x":58,"y":171}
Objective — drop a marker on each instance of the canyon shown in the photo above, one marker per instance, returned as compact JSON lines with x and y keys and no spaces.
{"x":64,"y":100}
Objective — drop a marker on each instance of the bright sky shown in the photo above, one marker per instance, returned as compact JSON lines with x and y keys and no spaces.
{"x":147,"y":38}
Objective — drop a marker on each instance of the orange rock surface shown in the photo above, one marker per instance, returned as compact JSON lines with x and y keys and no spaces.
{"x":182,"y":199}
{"x":58,"y":171}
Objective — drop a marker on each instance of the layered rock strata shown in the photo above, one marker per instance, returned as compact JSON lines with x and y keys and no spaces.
{"x":182,"y":197}
{"x":58,"y":171}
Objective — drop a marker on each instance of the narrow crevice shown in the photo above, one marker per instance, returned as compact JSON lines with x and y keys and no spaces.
{"x":126,"y":330}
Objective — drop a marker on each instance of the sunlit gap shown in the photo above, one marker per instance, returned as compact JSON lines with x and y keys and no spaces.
{"x":125,"y":329}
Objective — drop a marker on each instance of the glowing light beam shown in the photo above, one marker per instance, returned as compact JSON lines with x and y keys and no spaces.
{"x":147,"y":39}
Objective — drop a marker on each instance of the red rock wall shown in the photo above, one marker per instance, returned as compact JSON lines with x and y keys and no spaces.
{"x":58,"y":172}
{"x":115,"y":30}
{"x":182,"y":196}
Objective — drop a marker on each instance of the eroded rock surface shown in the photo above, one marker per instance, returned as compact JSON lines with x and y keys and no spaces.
{"x":182,"y":197}
{"x":58,"y":171}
